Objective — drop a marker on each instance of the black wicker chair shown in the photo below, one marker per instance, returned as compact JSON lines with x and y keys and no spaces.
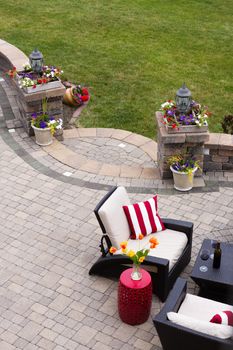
{"x":174,"y":336}
{"x":163,"y":278}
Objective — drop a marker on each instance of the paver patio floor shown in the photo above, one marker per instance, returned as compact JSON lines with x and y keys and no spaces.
{"x":49,"y":239}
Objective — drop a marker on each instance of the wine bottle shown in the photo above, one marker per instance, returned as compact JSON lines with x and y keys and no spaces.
{"x":217,"y":256}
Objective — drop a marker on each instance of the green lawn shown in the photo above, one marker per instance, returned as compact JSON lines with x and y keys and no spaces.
{"x":132,"y":54}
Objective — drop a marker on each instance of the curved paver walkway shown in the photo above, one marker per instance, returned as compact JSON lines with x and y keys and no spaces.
{"x":49,"y":238}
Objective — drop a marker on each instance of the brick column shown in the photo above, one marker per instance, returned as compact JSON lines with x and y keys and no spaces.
{"x":32,"y":102}
{"x":190,"y":143}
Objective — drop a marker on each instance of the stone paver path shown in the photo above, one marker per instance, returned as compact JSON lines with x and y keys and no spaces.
{"x":49,"y":239}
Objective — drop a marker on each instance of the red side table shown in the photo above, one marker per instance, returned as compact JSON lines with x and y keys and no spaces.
{"x":134,"y":297}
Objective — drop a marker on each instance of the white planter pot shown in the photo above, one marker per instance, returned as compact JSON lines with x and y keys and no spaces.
{"x":183,"y":181}
{"x":43,"y":136}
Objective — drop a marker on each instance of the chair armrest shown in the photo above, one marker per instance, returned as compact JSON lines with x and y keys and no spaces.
{"x":180,"y":225}
{"x":173,"y":301}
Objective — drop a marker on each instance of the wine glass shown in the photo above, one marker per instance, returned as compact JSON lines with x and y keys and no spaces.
{"x":204,"y":255}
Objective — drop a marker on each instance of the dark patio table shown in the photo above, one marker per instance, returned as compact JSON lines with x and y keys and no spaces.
{"x":215,"y":284}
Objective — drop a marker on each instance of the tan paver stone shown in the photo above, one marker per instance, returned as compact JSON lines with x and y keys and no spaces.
{"x":213,"y":140}
{"x":91,"y":166}
{"x":41,"y":309}
{"x":60,"y":303}
{"x":6,"y":346}
{"x":226,"y":141}
{"x":151,"y":149}
{"x":141,"y":344}
{"x":71,"y":133}
{"x":137,"y":140}
{"x":87,"y":132}
{"x":132,"y":172}
{"x":109,"y":170}
{"x":76,"y":315}
{"x":207,"y":218}
{"x":73,"y":160}
{"x":120,"y":134}
{"x":125,"y":332}
{"x":55,"y":146}
{"x":48,"y":334}
{"x":50,"y":279}
{"x":109,"y":307}
{"x":30,"y":331}
{"x":67,"y":282}
{"x":101,"y":285}
{"x":198,"y":182}
{"x":84,"y":335}
{"x":150,"y":173}
{"x":101,"y":346}
{"x":102,"y":132}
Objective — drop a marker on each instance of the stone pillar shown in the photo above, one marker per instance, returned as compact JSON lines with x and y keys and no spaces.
{"x":32,"y":102}
{"x":190,"y":143}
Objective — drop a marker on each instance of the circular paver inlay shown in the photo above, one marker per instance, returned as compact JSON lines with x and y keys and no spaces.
{"x":109,"y":151}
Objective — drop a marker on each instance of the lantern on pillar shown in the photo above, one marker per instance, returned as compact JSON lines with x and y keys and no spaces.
{"x":36,"y":61}
{"x":183,"y":99}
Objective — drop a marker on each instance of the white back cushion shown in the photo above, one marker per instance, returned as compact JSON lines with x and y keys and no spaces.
{"x":202,"y":308}
{"x":113,"y":216}
{"x":214,"y":329}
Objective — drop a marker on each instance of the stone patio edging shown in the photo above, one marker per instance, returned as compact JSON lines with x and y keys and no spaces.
{"x":79,"y":162}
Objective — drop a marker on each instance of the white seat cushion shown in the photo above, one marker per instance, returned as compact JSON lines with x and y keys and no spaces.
{"x":216,"y":330}
{"x":171,"y":245}
{"x":201,"y":308}
{"x":195,"y":312}
{"x":113,"y":217}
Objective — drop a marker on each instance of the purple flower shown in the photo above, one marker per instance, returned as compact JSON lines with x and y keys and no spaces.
{"x":51,"y":118}
{"x":34,"y":115}
{"x":170,"y":113}
{"x":43,"y":124}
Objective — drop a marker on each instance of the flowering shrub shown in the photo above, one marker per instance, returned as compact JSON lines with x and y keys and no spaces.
{"x":196,"y":115}
{"x":43,"y":120}
{"x":183,"y":164}
{"x":139,"y":256}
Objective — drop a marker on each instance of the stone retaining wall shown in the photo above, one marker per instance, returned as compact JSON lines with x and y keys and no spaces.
{"x":219,"y":153}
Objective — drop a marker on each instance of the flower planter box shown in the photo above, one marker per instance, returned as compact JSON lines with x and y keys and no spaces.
{"x":186,"y":129}
{"x":39,"y":87}
{"x":43,"y":87}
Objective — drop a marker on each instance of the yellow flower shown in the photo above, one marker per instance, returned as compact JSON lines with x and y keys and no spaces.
{"x":123,"y":245}
{"x":141,"y":259}
{"x":112,"y":250}
{"x":124,"y":250}
{"x":131,"y":253}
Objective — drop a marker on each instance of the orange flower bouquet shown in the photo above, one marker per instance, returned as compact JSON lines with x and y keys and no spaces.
{"x":136,"y":256}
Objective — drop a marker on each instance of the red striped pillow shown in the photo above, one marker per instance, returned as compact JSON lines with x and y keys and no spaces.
{"x":224,"y":317}
{"x":143,"y":218}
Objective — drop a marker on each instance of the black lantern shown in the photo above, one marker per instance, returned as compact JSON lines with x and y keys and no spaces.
{"x":183,"y":99}
{"x":36,"y":61}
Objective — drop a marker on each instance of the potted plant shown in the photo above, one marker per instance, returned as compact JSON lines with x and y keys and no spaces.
{"x":44,"y":126}
{"x":136,"y":256}
{"x":183,"y":169}
{"x":76,"y":95}
{"x":194,"y":120}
